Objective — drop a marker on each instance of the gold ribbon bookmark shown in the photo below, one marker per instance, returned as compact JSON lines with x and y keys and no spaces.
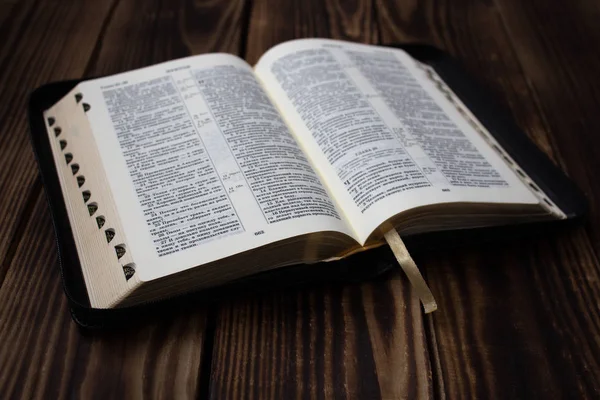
{"x":411,"y":270}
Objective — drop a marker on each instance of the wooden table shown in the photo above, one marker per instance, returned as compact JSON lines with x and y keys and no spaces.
{"x":519,"y":320}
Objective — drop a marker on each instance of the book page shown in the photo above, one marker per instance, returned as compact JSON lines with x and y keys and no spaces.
{"x":201,"y":164}
{"x":381,"y":135}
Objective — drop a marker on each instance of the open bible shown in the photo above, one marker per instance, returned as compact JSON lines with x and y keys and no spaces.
{"x":196,"y":172}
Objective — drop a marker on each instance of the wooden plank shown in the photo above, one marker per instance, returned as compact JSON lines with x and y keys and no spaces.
{"x":487,"y":55}
{"x":6,"y":8}
{"x":143,"y":33}
{"x":561,"y":63}
{"x":43,"y":354}
{"x":30,"y":57}
{"x":274,"y":22}
{"x":518,"y":320}
{"x":333,"y":341}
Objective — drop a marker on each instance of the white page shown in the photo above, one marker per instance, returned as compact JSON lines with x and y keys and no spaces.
{"x":200,"y":164}
{"x":381,"y":135}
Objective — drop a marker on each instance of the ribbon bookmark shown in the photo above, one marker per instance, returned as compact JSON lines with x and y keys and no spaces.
{"x":411,"y":270}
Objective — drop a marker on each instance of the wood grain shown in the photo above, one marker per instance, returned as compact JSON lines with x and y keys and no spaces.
{"x":43,"y":355}
{"x":28,"y":58}
{"x":273,"y":22}
{"x":334,"y":341}
{"x":162,"y":30}
{"x":354,"y":341}
{"x":562,"y":84}
{"x":519,"y":324}
{"x":519,"y":321}
{"x":473,"y":33}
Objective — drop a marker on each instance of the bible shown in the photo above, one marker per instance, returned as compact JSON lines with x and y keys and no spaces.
{"x":196,"y":172}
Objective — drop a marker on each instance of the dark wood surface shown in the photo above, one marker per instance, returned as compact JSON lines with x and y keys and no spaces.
{"x":520,"y":320}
